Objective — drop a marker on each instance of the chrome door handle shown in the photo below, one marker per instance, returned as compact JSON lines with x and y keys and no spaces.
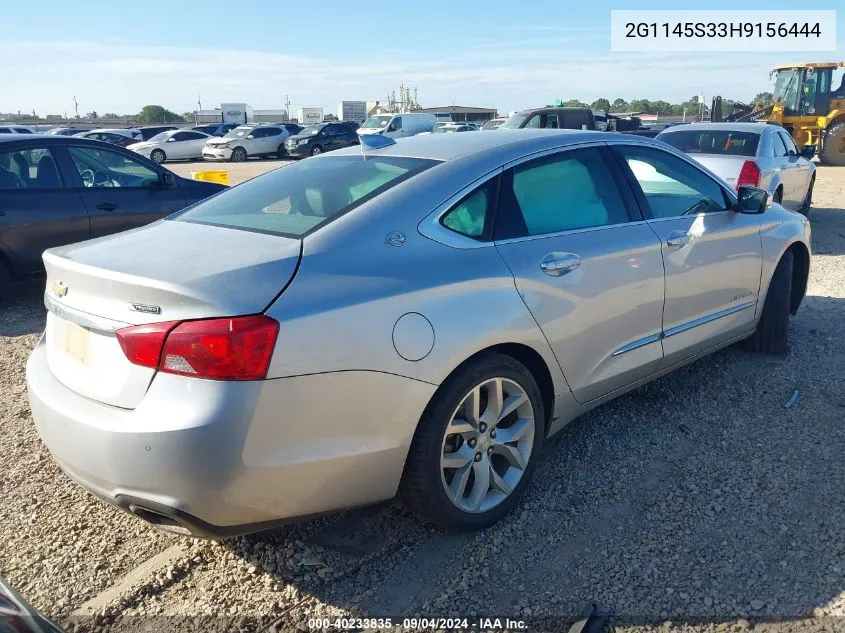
{"x":678,"y":238}
{"x":557,"y":264}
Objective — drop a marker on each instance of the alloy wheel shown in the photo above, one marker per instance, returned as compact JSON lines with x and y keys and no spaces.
{"x":487,"y":445}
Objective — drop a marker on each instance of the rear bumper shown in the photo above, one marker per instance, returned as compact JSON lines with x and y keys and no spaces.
{"x":216,"y":459}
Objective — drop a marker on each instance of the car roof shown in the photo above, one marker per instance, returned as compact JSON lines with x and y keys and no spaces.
{"x":722,"y":126}
{"x":444,"y":147}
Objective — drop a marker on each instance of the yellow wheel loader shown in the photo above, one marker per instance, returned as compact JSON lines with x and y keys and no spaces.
{"x":805,"y":103}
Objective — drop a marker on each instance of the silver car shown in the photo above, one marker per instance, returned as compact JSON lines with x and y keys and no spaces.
{"x":754,"y":154}
{"x":418,"y":318}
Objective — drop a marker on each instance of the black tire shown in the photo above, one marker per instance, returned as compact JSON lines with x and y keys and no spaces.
{"x":5,"y":280}
{"x":772,"y":333}
{"x":316,"y":151}
{"x":158,"y":156}
{"x":421,"y":487}
{"x":281,"y":153}
{"x":238,"y":155}
{"x":778,"y":197}
{"x":808,"y":198}
{"x":833,"y":149}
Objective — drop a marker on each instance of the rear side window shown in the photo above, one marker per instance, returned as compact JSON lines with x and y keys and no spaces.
{"x":564,"y":192}
{"x":778,"y":146}
{"x":720,"y":142}
{"x":29,"y":169}
{"x":300,"y":198}
{"x":470,"y":216}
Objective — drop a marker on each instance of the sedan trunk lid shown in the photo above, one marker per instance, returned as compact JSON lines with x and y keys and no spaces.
{"x":167,"y":271}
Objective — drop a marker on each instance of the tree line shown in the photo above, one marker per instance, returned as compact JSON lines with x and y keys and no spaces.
{"x":690,"y":106}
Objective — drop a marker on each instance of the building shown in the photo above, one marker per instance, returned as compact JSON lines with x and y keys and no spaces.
{"x":463,"y":114}
{"x":255,"y":116}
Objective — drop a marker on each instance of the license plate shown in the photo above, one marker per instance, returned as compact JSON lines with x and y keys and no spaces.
{"x":76,"y":342}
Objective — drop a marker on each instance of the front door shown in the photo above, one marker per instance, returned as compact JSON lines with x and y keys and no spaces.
{"x":798,"y":169}
{"x":711,"y":254}
{"x":592,"y":277}
{"x":37,"y":209}
{"x":120,"y":192}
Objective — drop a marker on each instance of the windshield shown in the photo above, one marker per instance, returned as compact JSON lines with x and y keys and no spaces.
{"x":239,"y":132}
{"x":786,"y":87}
{"x":161,"y":137}
{"x":721,"y":142}
{"x":492,"y":124}
{"x":302,"y":197}
{"x":377,"y":120}
{"x":515,"y":121}
{"x":310,"y":130}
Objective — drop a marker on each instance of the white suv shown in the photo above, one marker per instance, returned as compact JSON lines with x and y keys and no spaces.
{"x":247,"y":140}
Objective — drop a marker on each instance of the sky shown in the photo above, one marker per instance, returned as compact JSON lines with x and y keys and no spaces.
{"x":506,"y":55}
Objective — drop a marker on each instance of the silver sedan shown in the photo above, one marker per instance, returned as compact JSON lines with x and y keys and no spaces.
{"x":754,"y":154}
{"x":419,"y":318}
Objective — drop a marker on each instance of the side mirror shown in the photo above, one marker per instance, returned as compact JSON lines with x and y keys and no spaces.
{"x":808,"y":151}
{"x":167,"y":179}
{"x":250,"y":136}
{"x":752,"y":200}
{"x":171,"y":140}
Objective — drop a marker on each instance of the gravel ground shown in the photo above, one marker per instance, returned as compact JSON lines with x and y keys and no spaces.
{"x":698,"y":502}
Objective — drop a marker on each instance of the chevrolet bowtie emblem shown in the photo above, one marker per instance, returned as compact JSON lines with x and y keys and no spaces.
{"x":59,"y":289}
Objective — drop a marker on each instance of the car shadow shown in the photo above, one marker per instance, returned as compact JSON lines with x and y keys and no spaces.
{"x":700,"y":498}
{"x":828,"y":225}
{"x":22,"y":310}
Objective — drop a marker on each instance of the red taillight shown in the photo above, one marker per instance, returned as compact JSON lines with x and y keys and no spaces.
{"x":142,"y":343}
{"x":235,"y":348}
{"x":748,"y":175}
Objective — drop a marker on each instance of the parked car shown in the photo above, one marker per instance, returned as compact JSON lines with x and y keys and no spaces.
{"x":215,"y":129}
{"x":6,"y":128}
{"x":16,"y":616}
{"x":756,"y":154}
{"x":252,"y":139}
{"x":493,"y":124}
{"x":441,"y":128}
{"x":57,"y":190}
{"x":552,"y":118}
{"x":67,"y":131}
{"x":307,"y":333}
{"x":116,"y":136}
{"x":320,"y":138}
{"x":398,"y":125}
{"x":149,"y":131}
{"x":172,"y":145}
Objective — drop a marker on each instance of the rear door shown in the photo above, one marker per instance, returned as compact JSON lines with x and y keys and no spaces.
{"x":586,"y":266}
{"x":37,"y":208}
{"x":119,"y":191}
{"x":787,"y":174}
{"x":711,"y":254}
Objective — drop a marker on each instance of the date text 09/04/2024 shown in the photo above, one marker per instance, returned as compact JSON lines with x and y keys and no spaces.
{"x":722,"y":29}
{"x":412,"y":624}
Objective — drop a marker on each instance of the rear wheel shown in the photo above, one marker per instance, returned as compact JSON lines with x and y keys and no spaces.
{"x":833,"y":150}
{"x":158,"y":156}
{"x":281,"y":152}
{"x":778,"y":197}
{"x":238,"y":155}
{"x":476,"y":445}
{"x":772,"y":333}
{"x":808,"y":199}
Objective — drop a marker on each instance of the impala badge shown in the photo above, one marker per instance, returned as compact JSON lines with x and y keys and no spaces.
{"x":140,"y":307}
{"x":59,"y":289}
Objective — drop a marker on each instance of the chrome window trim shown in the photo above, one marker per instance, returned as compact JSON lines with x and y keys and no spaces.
{"x":81,"y":318}
{"x":683,"y":327}
{"x":588,"y":229}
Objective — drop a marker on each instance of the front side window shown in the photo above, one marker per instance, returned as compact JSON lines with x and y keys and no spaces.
{"x":104,"y":168}
{"x":302,"y":197}
{"x":29,"y":169}
{"x":564,"y":192}
{"x":778,"y":146}
{"x":469,"y":216}
{"x":791,"y":149}
{"x":671,"y":186}
{"x":396,"y":124}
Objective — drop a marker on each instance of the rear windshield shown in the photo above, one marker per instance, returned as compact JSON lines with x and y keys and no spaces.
{"x":722,"y":142}
{"x":297,"y":199}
